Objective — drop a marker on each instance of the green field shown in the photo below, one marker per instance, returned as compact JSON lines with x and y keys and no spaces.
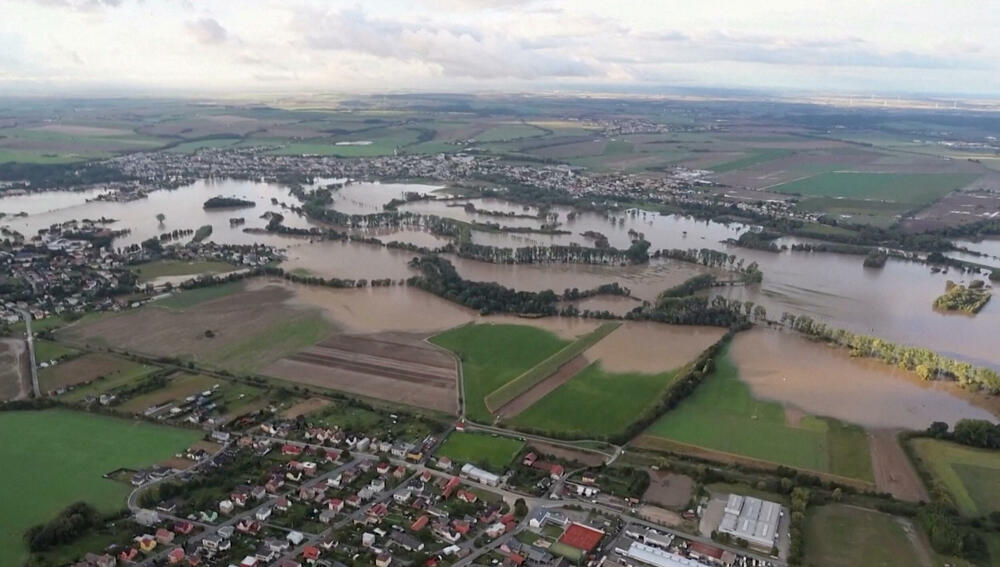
{"x":53,"y":458}
{"x":912,"y":188}
{"x":529,"y":379}
{"x":595,"y":403}
{"x":845,"y":536}
{"x":970,"y":476}
{"x":160,"y":268}
{"x":493,"y":453}
{"x":97,"y":367}
{"x":48,"y":350}
{"x":191,"y":297}
{"x":506,"y":132}
{"x":722,"y":415}
{"x":754,"y":157}
{"x":110,"y":384}
{"x":492,"y":355}
{"x":297,"y":331}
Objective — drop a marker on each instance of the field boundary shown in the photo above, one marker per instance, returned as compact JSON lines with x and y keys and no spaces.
{"x":538,"y":373}
{"x":656,"y":443}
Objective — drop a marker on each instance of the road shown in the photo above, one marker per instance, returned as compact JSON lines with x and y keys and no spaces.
{"x":31,"y":352}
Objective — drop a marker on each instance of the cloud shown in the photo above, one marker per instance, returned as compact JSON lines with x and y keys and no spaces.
{"x":207,"y":30}
{"x":454,"y":50}
{"x":80,"y":5}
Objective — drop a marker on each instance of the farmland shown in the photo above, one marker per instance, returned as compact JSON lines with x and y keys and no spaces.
{"x":910,"y":188}
{"x":397,"y":367}
{"x":88,"y":368}
{"x":595,"y":403}
{"x":846,"y":536}
{"x":722,"y":415}
{"x":493,"y":453}
{"x":970,"y":476}
{"x":492,"y":355}
{"x":524,"y":382}
{"x":79,"y":448}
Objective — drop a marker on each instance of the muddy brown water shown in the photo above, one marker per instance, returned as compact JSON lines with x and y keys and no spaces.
{"x":652,"y":347}
{"x":822,"y":380}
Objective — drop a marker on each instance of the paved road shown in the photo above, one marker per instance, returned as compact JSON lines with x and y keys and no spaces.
{"x":31,"y":352}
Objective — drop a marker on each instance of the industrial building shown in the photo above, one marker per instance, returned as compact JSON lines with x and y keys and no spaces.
{"x":658,"y":557}
{"x":479,"y":475}
{"x":752,"y":520}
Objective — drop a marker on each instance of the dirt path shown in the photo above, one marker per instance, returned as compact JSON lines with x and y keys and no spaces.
{"x":920,"y":545}
{"x":15,"y":376}
{"x":893,"y":471}
{"x":558,"y":378}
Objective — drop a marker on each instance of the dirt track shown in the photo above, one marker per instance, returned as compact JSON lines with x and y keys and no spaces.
{"x":397,"y":367}
{"x":543,"y":388}
{"x":893,"y":471}
{"x":669,"y":490}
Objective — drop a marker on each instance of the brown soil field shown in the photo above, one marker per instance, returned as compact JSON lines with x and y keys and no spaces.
{"x":660,"y":516}
{"x":564,"y":327}
{"x":565,"y":373}
{"x":894,"y":473}
{"x":208,"y":446}
{"x":305,"y":407}
{"x":660,"y":444}
{"x":652,"y":347}
{"x":583,"y":457}
{"x":669,"y":490}
{"x":179,"y":463}
{"x":14,"y":373}
{"x":237,"y":318}
{"x":398,"y":367}
{"x":956,"y":209}
{"x":78,"y":370}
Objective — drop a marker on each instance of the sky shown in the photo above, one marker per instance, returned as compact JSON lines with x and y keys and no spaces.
{"x":66,"y":47}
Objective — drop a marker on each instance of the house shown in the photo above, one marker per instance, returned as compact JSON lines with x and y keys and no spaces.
{"x":264,"y":554}
{"x":450,"y":487}
{"x":402,"y":496}
{"x":249,"y":561}
{"x":367,"y":539}
{"x":383,"y":560}
{"x":444,"y":463}
{"x":100,"y":560}
{"x":258,"y":492}
{"x":425,"y":476}
{"x":277,"y":545}
{"x":282,"y":504}
{"x":327,"y":516}
{"x":290,"y":449}
{"x":176,"y":555}
{"x":295,"y":538}
{"x":406,"y":541}
{"x":226,"y":507}
{"x":208,"y":517}
{"x":496,"y":530}
{"x":263,"y":513}
{"x":555,"y":470}
{"x":335,"y":504}
{"x":529,"y":459}
{"x":310,"y":554}
{"x":215,"y":543}
{"x":164,"y":536}
{"x":466,"y":496}
{"x":128,"y":555}
{"x":419,"y":524}
{"x":248,"y":526}
{"x":183,"y":527}
{"x":376,"y":513}
{"x":147,"y":543}
{"x":239,"y":499}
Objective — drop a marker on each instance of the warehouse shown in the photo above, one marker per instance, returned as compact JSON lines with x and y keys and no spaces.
{"x":658,"y":557}
{"x":479,"y":475}
{"x":752,"y":520}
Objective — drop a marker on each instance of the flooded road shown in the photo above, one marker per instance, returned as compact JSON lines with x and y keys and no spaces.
{"x":820,"y":380}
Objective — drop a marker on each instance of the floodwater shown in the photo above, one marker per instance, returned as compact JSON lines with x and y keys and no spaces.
{"x":652,"y":347}
{"x":893,"y":302}
{"x":617,"y":304}
{"x":826,"y":381}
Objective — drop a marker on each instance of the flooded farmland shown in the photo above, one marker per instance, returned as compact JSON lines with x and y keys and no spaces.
{"x":893,"y":302}
{"x":821,"y":380}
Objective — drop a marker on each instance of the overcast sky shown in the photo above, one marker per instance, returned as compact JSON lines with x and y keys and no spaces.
{"x":236,"y":46}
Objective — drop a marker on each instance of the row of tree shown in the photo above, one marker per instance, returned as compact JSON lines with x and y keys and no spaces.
{"x":926,"y":363}
{"x":438,"y":276}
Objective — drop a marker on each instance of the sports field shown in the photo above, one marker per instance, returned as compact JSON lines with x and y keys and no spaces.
{"x":53,"y":458}
{"x":595,"y":403}
{"x":970,"y":476}
{"x":152,"y":270}
{"x":722,"y":415}
{"x":492,"y":355}
{"x":846,"y":536}
{"x":494,"y":453}
{"x":912,"y":188}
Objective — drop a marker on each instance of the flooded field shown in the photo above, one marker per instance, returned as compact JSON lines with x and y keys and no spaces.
{"x":652,"y":347}
{"x":370,"y":198}
{"x":824,"y":381}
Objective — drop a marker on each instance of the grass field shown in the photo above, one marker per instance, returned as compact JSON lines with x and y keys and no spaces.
{"x":192,"y":297}
{"x":845,"y":536}
{"x":494,"y":453}
{"x":753,"y":158}
{"x":94,"y":366}
{"x":492,"y":355}
{"x":595,"y":403}
{"x":109,"y":384}
{"x":912,"y":188}
{"x":506,"y":132}
{"x":53,"y":458}
{"x":971,"y":476}
{"x":160,"y":268}
{"x":722,"y":415}
{"x":529,"y":379}
{"x":48,"y":350}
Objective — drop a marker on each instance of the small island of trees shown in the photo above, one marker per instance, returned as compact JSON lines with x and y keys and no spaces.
{"x":958,"y":297}
{"x":221,"y":202}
